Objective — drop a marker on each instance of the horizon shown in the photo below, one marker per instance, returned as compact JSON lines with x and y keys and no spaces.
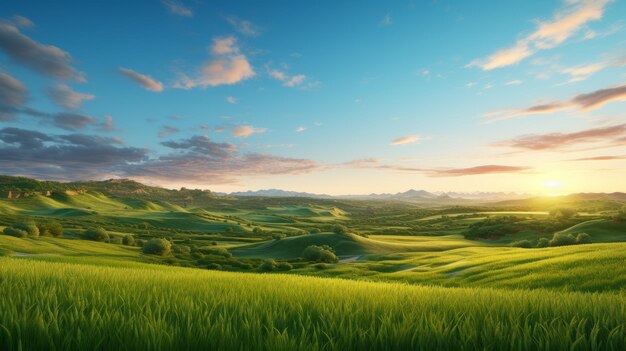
{"x":525,"y":97}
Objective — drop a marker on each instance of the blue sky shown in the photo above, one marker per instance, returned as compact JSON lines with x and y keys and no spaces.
{"x":319,"y":96}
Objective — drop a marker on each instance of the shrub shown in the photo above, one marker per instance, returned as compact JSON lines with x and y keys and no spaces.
{"x":128,"y":240}
{"x":156,"y":246}
{"x":543,"y":242}
{"x":269,"y":265}
{"x":217,"y":252}
{"x":181,"y":249}
{"x":214,"y":243}
{"x":213,"y":266}
{"x":284,"y":266}
{"x":340,"y":229}
{"x":320,"y":266}
{"x":523,"y":244}
{"x":139,"y":242}
{"x":322,"y":253}
{"x":18,"y":233}
{"x":278,"y":236}
{"x":562,"y":239}
{"x":96,"y":234}
{"x":315,"y":231}
{"x":52,"y":228}
{"x":29,"y":227}
{"x":583,"y":238}
{"x":116,"y":240}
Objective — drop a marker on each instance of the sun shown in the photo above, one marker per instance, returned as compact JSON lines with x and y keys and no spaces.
{"x":553,"y":184}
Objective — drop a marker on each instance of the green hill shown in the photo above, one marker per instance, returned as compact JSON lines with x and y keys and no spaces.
{"x":345,"y":245}
{"x":601,"y":230}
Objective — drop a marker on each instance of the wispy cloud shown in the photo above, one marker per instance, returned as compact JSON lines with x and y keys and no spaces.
{"x":583,"y":72}
{"x":244,"y":27}
{"x":601,"y":158}
{"x":583,"y":102}
{"x":108,"y":125}
{"x":514,"y":82}
{"x":291,"y":81}
{"x":13,"y":94}
{"x":565,"y":23}
{"x":228,"y":66}
{"x":478,"y":170}
{"x":145,"y":81}
{"x":246,"y":131}
{"x":300,"y":129}
{"x":386,"y":21}
{"x":231,"y":100}
{"x":167,"y":131}
{"x":65,"y":97}
{"x":45,"y":59}
{"x":612,"y":135}
{"x":409,"y":139}
{"x":177,"y":8}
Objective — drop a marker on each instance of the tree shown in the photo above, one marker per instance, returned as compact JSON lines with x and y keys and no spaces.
{"x":156,"y":246}
{"x":29,"y":227}
{"x":18,"y":233}
{"x":51,"y":228}
{"x":340,"y":229}
{"x":269,"y":265}
{"x":563,"y":213}
{"x":562,"y":239}
{"x":128,"y":240}
{"x":257,"y":231}
{"x":96,"y":234}
{"x":322,"y":253}
{"x":543,"y":242}
{"x":583,"y":238}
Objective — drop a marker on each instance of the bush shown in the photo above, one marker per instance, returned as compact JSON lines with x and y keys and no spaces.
{"x":217,"y":252}
{"x":269,"y":265}
{"x":156,"y":246}
{"x":340,"y":229}
{"x":523,"y":244}
{"x":139,"y":243}
{"x":278,"y":236}
{"x":284,"y":266}
{"x":322,"y":253}
{"x":29,"y":227}
{"x":52,"y":228}
{"x":583,"y":238}
{"x":181,"y":249}
{"x":214,"y":266}
{"x":562,"y":239}
{"x":315,"y":231}
{"x":128,"y":240}
{"x":18,"y":233}
{"x":320,"y":266}
{"x":543,"y":242}
{"x":96,"y":234}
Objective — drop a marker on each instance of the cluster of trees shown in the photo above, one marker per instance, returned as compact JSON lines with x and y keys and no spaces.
{"x":322,"y":253}
{"x":558,"y":239}
{"x":33,"y":229}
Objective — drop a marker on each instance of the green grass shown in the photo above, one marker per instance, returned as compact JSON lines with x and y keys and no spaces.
{"x":349,"y":245}
{"x":88,"y":307}
{"x":600,"y":230}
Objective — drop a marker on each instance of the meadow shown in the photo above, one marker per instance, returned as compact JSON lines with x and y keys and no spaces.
{"x":78,"y":306}
{"x":235,"y":274}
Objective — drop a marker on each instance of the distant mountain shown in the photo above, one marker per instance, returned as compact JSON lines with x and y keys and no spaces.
{"x":280,"y":193}
{"x":617,"y":198}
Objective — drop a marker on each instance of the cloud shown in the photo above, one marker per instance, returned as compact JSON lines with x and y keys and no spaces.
{"x":22,"y":22}
{"x":177,"y":8}
{"x":108,"y":125}
{"x":45,"y":59}
{"x":371,"y":163}
{"x":583,"y":102}
{"x":478,"y":170}
{"x":244,"y":27}
{"x":145,"y":81}
{"x":601,"y":158}
{"x":409,"y":139}
{"x":36,"y":154}
{"x":583,"y":72}
{"x":386,"y":21}
{"x":168,"y":130}
{"x":295,"y":81}
{"x":557,"y":141}
{"x":231,"y":100}
{"x":228,"y":66}
{"x":300,"y":129}
{"x":13,"y":94}
{"x":565,"y":23}
{"x":64,"y":96}
{"x":246,"y":131}
{"x":514,"y":82}
{"x":202,"y":145}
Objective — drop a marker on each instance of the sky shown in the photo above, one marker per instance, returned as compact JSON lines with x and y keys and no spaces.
{"x":334,"y":97}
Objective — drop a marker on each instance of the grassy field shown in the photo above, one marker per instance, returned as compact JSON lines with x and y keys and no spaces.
{"x":77,"y":306}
